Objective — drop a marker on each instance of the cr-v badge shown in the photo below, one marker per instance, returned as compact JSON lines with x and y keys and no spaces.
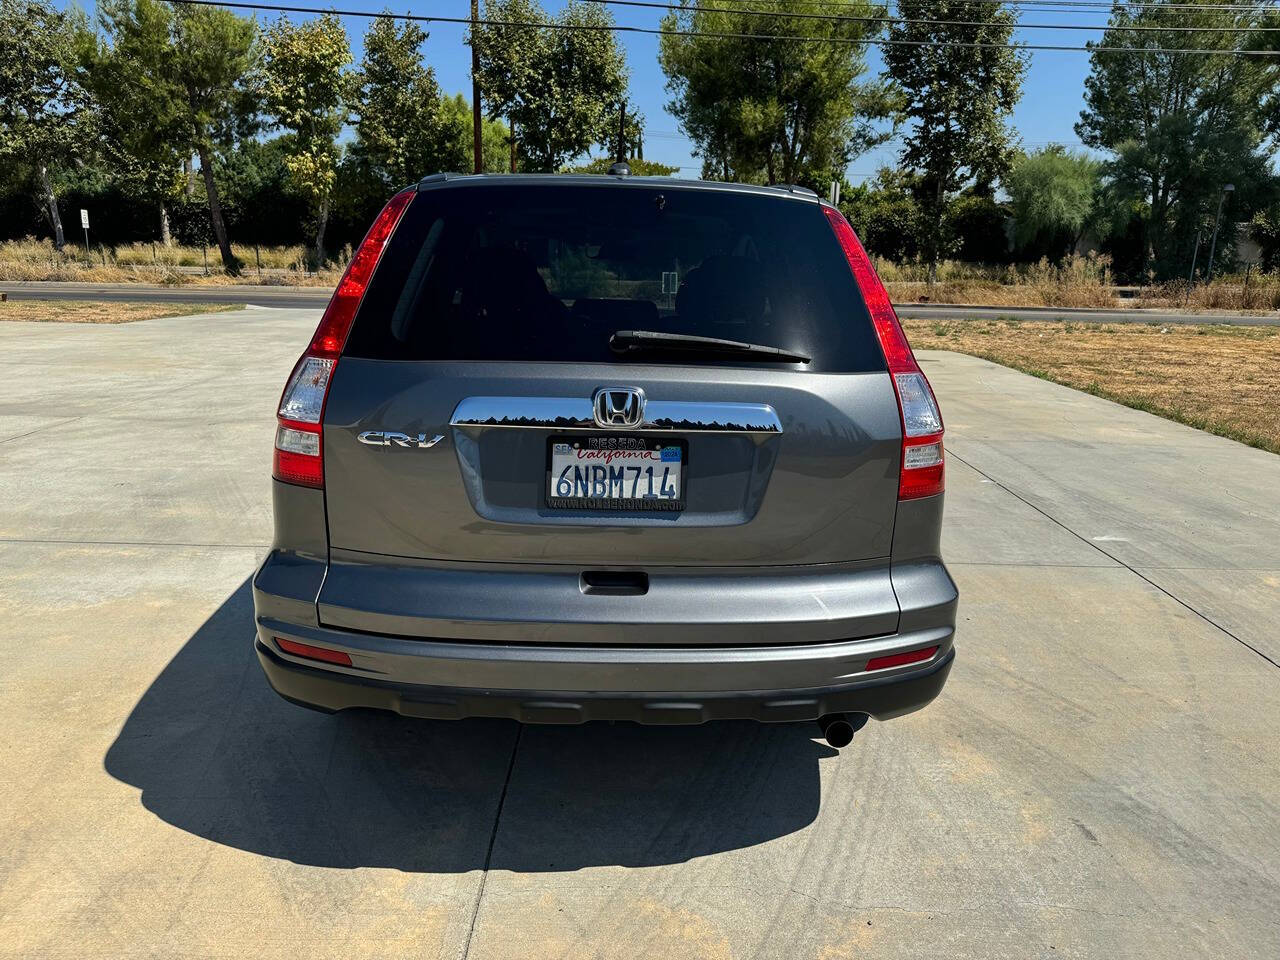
{"x":382,"y":438}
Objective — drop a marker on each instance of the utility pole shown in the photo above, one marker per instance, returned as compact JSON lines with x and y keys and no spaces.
{"x":622,"y":126}
{"x":1229,"y":188}
{"x":476,"y":145}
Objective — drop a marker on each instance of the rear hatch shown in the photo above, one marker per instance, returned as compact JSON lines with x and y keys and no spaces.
{"x":520,"y":384}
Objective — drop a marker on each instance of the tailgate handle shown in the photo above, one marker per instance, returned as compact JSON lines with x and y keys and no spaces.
{"x":614,"y":583}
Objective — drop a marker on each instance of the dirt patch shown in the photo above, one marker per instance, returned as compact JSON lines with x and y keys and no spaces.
{"x":1219,"y":378}
{"x":98,"y":311}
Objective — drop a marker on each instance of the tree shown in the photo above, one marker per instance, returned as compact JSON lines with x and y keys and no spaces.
{"x":141,"y":128}
{"x":305,"y":89}
{"x":495,"y":137}
{"x":1180,"y":126}
{"x":639,"y":167}
{"x":214,"y":54}
{"x":39,"y":119}
{"x":192,"y":63}
{"x":774,"y":109}
{"x":402,"y":129}
{"x":886,"y":214}
{"x":958,"y":99}
{"x":557,"y":87}
{"x":1051,"y":193}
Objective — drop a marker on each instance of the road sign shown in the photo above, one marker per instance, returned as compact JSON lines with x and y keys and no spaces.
{"x":84,"y":219}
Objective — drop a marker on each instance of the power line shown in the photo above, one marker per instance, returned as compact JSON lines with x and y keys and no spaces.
{"x":719,"y":35}
{"x":1061,"y":6}
{"x":1107,"y":5}
{"x":797,"y":15}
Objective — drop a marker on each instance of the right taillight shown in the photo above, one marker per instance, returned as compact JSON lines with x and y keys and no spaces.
{"x":299,"y":450}
{"x":922,"y":466}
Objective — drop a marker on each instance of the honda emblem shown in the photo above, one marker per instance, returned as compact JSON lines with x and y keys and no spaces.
{"x":618,"y":406}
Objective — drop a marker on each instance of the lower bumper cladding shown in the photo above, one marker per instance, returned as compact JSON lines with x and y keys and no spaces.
{"x":329,"y":690}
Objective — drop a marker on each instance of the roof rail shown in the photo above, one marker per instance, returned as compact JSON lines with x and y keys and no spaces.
{"x":796,"y":188}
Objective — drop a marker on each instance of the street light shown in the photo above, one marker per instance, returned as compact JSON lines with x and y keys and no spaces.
{"x":1213,"y":244}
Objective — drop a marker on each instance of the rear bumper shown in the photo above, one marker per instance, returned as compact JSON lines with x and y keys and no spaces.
{"x":573,"y":685}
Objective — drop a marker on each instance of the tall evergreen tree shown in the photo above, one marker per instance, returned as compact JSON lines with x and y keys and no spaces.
{"x":402,"y":128}
{"x":960,"y":84}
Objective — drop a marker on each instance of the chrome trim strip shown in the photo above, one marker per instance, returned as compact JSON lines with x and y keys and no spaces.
{"x":576,"y":413}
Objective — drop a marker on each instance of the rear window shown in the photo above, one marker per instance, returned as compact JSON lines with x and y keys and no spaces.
{"x":549,"y":273}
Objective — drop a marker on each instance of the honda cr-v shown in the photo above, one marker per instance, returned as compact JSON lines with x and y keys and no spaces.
{"x":566,"y":448}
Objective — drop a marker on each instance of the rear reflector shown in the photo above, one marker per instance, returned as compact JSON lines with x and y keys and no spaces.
{"x":899,"y":659}
{"x":921,"y":471}
{"x":299,"y":453}
{"x":313,"y":653}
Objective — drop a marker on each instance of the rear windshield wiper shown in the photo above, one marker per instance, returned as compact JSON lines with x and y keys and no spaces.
{"x":628,"y":341}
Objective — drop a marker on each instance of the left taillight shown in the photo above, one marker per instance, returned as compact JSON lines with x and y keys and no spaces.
{"x":299,"y":449}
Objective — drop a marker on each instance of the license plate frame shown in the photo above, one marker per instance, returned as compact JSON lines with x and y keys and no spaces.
{"x":625,"y":443}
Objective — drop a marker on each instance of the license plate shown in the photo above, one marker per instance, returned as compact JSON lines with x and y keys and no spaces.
{"x":616,"y":473}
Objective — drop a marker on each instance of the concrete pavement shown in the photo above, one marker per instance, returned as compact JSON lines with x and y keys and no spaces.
{"x":285,"y":296}
{"x":1098,"y":779}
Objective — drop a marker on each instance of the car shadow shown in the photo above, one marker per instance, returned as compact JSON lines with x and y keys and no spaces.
{"x":216,"y":753}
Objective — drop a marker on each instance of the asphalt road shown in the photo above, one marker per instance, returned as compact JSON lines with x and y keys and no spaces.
{"x":283,"y":296}
{"x":1098,"y":779}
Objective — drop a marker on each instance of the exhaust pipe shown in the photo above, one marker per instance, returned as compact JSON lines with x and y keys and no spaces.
{"x":838,"y":728}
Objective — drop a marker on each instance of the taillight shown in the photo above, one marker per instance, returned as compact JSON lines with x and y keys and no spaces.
{"x":299,"y":451}
{"x":921,"y":471}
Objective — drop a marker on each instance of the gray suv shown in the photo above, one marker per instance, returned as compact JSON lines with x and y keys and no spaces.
{"x":571,"y":448}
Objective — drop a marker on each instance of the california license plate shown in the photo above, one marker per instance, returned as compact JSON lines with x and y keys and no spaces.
{"x":616,"y":473}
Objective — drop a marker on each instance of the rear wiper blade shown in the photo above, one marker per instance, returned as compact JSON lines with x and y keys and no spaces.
{"x":627,"y":341}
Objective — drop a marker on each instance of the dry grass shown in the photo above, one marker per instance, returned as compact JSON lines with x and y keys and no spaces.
{"x":98,"y":311}
{"x":1223,"y":379}
{"x":1077,"y":282}
{"x":32,"y":259}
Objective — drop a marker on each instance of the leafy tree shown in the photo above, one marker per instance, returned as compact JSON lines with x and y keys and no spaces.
{"x":980,"y":224}
{"x":886,"y":214}
{"x":305,"y":89}
{"x":39,"y":121}
{"x":1265,"y":230}
{"x":639,"y":167}
{"x":557,"y":88}
{"x":1051,"y":193}
{"x":192,"y":63}
{"x":403,"y":130}
{"x":495,"y":138}
{"x":958,"y":99}
{"x":774,"y":109}
{"x":214,"y":53}
{"x":264,"y":204}
{"x":142,"y":131}
{"x":1180,"y":126}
